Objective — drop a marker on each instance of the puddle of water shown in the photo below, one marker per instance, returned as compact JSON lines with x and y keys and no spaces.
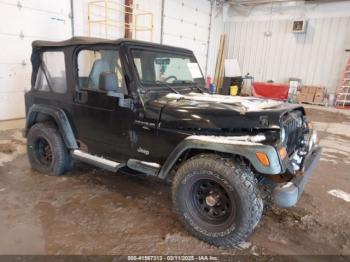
{"x":10,"y":150}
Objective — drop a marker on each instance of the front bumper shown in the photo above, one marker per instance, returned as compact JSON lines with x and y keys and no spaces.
{"x":287,"y":194}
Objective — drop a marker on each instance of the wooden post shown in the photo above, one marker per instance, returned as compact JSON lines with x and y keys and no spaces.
{"x":128,"y":18}
{"x":220,"y":59}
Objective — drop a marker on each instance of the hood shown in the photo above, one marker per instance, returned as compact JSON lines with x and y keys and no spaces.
{"x":205,"y":111}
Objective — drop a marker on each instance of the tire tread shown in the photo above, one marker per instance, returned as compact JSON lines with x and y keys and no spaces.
{"x":60,"y":152}
{"x":243,"y":179}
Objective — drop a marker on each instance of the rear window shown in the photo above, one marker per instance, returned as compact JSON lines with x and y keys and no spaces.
{"x":51,"y":75}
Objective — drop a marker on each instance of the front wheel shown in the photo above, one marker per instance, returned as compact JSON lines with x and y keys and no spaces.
{"x":217,"y":199}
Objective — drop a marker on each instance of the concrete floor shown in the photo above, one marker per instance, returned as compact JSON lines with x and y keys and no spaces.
{"x":92,"y":211}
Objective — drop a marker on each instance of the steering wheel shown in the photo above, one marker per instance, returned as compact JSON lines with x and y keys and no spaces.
{"x":170,"y":77}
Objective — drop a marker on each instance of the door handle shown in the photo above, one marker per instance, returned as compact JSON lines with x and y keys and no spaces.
{"x":81,"y":96}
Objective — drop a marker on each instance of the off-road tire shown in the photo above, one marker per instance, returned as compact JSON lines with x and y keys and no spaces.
{"x":240,"y":184}
{"x":61,"y":160}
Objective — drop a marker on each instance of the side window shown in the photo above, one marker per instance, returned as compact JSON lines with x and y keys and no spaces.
{"x":93,"y":63}
{"x":52,"y":73}
{"x":138,"y":65}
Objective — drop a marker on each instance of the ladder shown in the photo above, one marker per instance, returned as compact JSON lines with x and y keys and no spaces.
{"x":343,"y":92}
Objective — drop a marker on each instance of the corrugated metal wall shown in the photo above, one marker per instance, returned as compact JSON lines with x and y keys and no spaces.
{"x":317,"y":57}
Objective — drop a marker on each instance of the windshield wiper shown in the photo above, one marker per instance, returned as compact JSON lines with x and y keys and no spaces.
{"x":193,"y":84}
{"x":168,"y":86}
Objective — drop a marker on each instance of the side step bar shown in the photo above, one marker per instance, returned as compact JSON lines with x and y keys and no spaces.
{"x":97,"y":161}
{"x":148,"y":168}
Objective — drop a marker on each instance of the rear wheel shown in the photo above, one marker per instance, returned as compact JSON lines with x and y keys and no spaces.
{"x":217,"y":199}
{"x":47,"y":152}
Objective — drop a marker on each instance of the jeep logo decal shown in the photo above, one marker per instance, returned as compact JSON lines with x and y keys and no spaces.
{"x":143,"y":151}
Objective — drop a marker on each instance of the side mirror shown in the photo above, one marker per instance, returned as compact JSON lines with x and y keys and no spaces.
{"x":108,"y":82}
{"x":122,"y":101}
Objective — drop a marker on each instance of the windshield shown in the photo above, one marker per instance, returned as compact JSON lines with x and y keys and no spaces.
{"x":155,"y":67}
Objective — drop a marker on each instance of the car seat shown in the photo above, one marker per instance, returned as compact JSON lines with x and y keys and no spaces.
{"x":99,"y":66}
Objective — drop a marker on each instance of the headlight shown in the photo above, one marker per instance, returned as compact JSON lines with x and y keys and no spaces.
{"x":305,"y":122}
{"x":313,"y":140}
{"x":283,"y":134}
{"x":300,"y":121}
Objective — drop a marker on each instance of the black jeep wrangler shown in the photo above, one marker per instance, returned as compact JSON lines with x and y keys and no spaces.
{"x":144,"y":107}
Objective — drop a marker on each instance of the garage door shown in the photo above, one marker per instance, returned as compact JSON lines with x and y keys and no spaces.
{"x":21,"y":22}
{"x":186,"y":24}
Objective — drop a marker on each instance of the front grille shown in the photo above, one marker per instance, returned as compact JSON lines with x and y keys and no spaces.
{"x":293,"y":129}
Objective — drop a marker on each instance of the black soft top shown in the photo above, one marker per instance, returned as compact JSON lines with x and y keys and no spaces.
{"x":95,"y":41}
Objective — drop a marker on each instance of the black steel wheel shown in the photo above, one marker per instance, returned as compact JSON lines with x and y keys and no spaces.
{"x":211,"y":201}
{"x":217,"y":199}
{"x":43,"y":151}
{"x":46,"y":150}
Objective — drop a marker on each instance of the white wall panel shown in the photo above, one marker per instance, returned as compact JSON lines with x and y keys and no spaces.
{"x":317,"y":57}
{"x":12,"y":105}
{"x":154,"y":6}
{"x":186,"y":24}
{"x":14,"y":77}
{"x":21,"y":22}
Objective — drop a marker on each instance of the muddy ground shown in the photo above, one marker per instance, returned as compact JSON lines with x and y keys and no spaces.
{"x":92,"y":211}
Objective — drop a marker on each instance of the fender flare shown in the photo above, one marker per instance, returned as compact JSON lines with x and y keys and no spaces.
{"x":60,"y":118}
{"x":234,"y":145}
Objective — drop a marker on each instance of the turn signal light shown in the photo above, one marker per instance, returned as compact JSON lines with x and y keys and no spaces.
{"x":309,"y":125}
{"x":263,"y":158}
{"x":282,"y":152}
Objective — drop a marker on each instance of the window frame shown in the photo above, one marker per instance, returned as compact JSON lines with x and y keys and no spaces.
{"x":95,"y":48}
{"x":40,"y":67}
